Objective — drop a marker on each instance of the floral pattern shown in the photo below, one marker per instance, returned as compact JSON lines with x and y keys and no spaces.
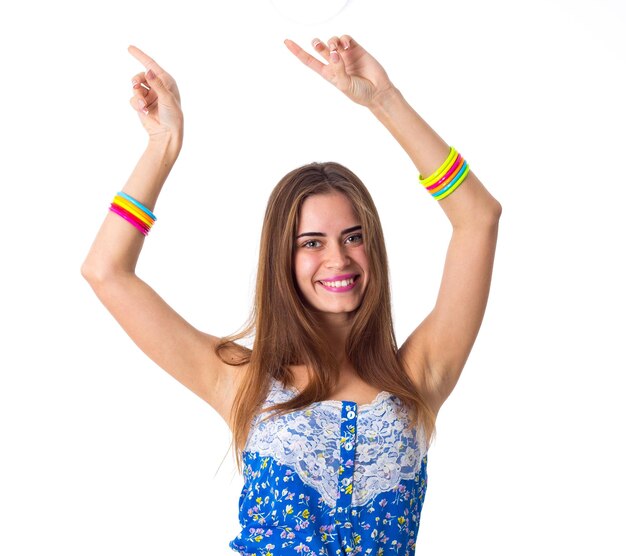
{"x":332,"y":479}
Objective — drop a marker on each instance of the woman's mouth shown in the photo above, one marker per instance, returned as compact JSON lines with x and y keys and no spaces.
{"x":340,"y":285}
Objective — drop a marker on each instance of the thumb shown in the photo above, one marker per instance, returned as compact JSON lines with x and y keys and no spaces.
{"x":156,"y":83}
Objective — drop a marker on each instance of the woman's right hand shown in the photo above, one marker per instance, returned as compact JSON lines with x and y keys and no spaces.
{"x":156,"y":99}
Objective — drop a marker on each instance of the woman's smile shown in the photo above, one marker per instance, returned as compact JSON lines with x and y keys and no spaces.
{"x":340,"y":283}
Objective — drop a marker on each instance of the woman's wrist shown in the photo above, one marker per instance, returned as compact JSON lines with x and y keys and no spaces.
{"x":168,"y":144}
{"x":385,"y":101}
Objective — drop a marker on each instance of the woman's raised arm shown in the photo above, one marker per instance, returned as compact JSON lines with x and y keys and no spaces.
{"x":436,"y":352}
{"x":170,"y":341}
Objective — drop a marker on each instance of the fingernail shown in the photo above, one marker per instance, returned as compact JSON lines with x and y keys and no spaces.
{"x":134,"y":82}
{"x":150,"y":74}
{"x":142,"y":103}
{"x":316,"y":43}
{"x":334,"y":56}
{"x":346,"y":44}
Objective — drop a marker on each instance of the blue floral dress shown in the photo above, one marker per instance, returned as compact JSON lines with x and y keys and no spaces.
{"x":332,"y":479}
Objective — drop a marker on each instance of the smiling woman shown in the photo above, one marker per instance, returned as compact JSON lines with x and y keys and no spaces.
{"x":323,"y":329}
{"x":331,"y":421}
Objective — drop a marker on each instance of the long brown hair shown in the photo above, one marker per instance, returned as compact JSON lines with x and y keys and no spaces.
{"x":285,"y":331}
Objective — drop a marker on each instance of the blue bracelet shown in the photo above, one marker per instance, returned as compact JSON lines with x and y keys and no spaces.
{"x":138,"y":204}
{"x":456,"y":178}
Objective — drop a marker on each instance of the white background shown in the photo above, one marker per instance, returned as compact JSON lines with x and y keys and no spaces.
{"x":104,"y":453}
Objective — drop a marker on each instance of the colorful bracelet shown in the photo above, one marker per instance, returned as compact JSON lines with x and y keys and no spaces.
{"x":136,"y":203}
{"x":447,"y":177}
{"x":133,"y":211}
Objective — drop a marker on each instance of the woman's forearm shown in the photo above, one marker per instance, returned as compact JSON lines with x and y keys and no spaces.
{"x":471,"y":203}
{"x":118,"y":243}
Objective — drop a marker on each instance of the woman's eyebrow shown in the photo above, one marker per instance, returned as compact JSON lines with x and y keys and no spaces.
{"x":346,"y":231}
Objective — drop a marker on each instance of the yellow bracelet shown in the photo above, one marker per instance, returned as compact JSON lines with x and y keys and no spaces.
{"x":133,"y":210}
{"x":442,"y":169}
{"x":130,"y":207}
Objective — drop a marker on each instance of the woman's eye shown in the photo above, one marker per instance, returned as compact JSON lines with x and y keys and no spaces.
{"x":311,"y":243}
{"x":356,"y":238}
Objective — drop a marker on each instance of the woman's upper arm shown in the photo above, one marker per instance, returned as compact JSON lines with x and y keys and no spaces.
{"x":165,"y":337}
{"x":436,"y":352}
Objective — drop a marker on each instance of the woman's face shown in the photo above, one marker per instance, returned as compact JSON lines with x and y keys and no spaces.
{"x":330,"y":262}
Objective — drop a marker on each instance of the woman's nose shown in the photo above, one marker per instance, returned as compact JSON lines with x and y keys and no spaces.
{"x":337,"y":256}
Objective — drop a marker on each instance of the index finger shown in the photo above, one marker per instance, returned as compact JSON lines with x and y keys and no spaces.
{"x":148,"y":62}
{"x":305,"y":57}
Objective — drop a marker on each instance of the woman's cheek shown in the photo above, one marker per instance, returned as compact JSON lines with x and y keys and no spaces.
{"x":306,"y":267}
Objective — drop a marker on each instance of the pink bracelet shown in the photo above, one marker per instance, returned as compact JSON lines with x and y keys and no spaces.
{"x":457,"y":162}
{"x":133,"y":211}
{"x":455,"y":175}
{"x":134,"y":217}
{"x":120,"y":211}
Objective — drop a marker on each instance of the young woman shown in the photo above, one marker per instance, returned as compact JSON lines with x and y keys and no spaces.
{"x":331,"y":421}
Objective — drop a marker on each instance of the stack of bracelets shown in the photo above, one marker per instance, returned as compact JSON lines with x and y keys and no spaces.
{"x":449,"y":176}
{"x":132,"y":210}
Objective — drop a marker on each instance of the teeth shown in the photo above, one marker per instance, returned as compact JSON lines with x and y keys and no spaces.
{"x":339,"y":284}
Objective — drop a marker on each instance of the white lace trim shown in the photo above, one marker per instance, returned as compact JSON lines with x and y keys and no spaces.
{"x":307,"y":440}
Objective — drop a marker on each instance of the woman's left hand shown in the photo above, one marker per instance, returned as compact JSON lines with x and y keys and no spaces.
{"x":350,"y":68}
